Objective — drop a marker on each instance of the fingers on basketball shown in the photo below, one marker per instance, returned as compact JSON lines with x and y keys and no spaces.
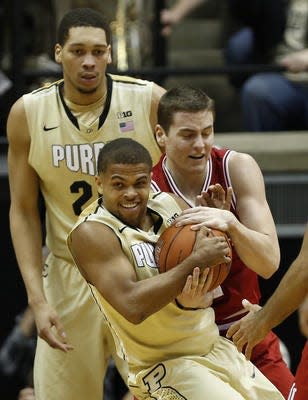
{"x":177,"y":243}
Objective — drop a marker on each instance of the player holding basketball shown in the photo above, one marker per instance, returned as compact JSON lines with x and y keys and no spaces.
{"x":171,"y":352}
{"x":192,"y":165}
{"x":55,"y":134}
{"x":291,"y":293}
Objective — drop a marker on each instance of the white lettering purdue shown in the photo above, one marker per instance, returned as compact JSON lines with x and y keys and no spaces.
{"x":76,"y":157}
{"x":144,"y":255}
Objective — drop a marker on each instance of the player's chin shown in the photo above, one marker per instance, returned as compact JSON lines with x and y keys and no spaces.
{"x":87,"y":89}
{"x":198,"y":166}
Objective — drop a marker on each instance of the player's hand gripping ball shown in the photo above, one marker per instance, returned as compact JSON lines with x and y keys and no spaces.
{"x":176,"y":243}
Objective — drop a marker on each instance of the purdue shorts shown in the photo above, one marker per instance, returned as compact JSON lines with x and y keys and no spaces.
{"x":223,"y":374}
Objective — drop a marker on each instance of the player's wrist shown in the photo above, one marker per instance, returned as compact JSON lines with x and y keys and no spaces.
{"x":179,"y":305}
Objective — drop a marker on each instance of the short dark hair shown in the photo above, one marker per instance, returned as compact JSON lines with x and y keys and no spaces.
{"x":82,"y":17}
{"x":182,"y":98}
{"x":123,"y":151}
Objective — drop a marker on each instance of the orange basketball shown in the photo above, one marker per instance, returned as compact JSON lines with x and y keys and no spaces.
{"x":176,"y":243}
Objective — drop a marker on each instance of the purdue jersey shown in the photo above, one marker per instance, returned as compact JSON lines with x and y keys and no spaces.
{"x":64,"y":153}
{"x":171,"y":332}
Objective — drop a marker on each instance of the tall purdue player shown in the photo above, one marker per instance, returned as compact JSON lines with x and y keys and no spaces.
{"x":191,"y":166}
{"x":55,"y":134}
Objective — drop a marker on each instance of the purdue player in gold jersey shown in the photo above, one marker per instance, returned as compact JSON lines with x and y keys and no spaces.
{"x":172,"y":352}
{"x":55,"y":134}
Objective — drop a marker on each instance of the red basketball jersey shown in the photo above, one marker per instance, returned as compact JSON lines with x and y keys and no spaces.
{"x":242,"y":282}
{"x":299,"y":390}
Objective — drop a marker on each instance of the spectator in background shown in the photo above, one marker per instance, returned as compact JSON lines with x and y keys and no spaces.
{"x":271,"y":31}
{"x":274,"y":101}
{"x":172,"y":16}
{"x":248,"y":40}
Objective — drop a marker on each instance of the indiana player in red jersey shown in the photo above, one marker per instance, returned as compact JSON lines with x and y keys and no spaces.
{"x":192,"y":165}
{"x":291,"y":293}
{"x":300,"y":387}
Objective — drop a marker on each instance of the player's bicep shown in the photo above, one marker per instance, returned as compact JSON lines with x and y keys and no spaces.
{"x":249,"y":190}
{"x":98,"y":254}
{"x":23,"y":179}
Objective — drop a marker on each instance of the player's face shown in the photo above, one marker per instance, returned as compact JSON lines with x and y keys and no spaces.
{"x":125,"y":189}
{"x":84,"y":58}
{"x":189,"y":141}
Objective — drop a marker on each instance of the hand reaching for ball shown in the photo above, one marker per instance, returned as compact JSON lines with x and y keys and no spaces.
{"x":216,"y":197}
{"x":211,"y":248}
{"x":206,"y":248}
{"x":195,"y":293}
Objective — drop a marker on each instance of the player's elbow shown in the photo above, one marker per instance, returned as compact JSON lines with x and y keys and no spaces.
{"x":271,"y":266}
{"x":135,"y":316}
{"x":137,"y":320}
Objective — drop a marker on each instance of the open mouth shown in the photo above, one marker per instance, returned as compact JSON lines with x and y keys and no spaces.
{"x":128,"y":206}
{"x":197,"y":157}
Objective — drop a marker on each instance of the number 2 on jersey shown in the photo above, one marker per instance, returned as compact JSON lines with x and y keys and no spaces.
{"x":85,"y":189}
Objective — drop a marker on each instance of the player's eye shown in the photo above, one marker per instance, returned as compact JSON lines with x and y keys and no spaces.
{"x":98,"y":52}
{"x":77,"y":52}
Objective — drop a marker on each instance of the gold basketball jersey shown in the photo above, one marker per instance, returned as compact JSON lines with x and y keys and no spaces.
{"x":170,"y":332}
{"x":64,"y":152}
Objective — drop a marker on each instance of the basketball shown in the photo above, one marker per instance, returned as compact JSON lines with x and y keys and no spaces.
{"x":176,"y":243}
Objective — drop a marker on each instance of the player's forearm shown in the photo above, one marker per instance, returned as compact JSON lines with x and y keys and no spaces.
{"x":288,"y":296}
{"x":27,"y":240}
{"x":260,"y":252}
{"x":150,"y":295}
{"x":292,"y":289}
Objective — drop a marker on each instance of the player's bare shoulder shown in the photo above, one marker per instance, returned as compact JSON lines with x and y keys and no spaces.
{"x":243,"y":165}
{"x":237,"y":159}
{"x":17,"y":127}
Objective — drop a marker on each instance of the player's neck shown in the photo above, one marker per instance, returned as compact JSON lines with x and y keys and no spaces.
{"x":148,"y":222}
{"x":76,"y":97}
{"x":190,"y":185}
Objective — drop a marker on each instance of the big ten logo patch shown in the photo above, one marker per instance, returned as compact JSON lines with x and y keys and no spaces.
{"x":144,"y":255}
{"x":124,"y":114}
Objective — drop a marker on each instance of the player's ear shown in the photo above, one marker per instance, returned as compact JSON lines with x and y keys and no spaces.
{"x":99,"y":184}
{"x":109,"y":60}
{"x":160,"y":135}
{"x":58,"y":53}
